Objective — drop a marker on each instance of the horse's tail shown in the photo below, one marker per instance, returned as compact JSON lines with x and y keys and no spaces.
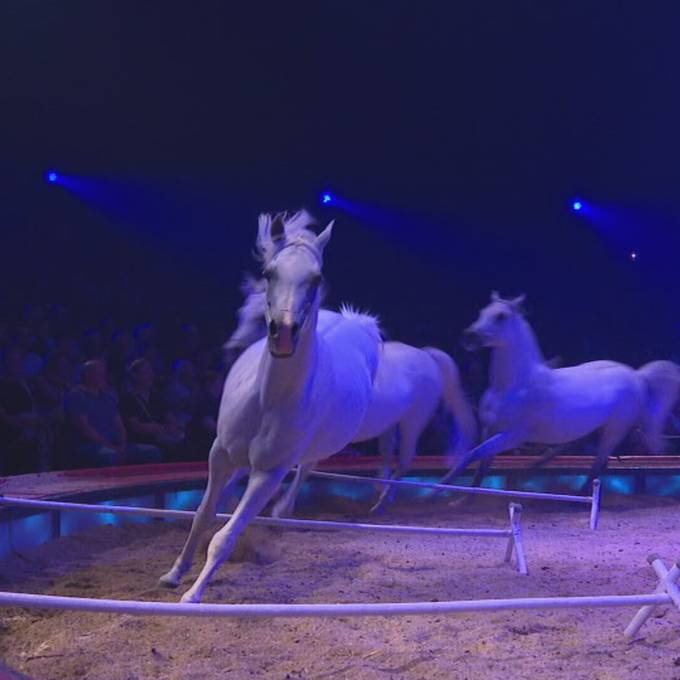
{"x":457,"y":402}
{"x":662,"y":379}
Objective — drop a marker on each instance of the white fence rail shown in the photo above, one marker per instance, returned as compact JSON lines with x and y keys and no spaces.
{"x":666,"y":593}
{"x":592,"y":500}
{"x":513,"y":533}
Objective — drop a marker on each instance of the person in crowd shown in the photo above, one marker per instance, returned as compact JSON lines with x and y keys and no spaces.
{"x":23,"y":431}
{"x":143,"y":415}
{"x":120,"y":355}
{"x":182,"y":389}
{"x":25,"y":341}
{"x":203,"y":425}
{"x":52,"y":387}
{"x":100,"y":436}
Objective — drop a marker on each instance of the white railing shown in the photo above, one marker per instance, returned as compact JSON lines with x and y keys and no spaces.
{"x":592,"y":500}
{"x":513,"y":533}
{"x":666,"y":593}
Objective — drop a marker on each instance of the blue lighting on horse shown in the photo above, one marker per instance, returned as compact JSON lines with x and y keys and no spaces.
{"x":577,"y":206}
{"x":51,"y":176}
{"x":326,"y":198}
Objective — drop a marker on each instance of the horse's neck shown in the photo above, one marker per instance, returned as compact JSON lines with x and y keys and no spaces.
{"x":514,"y":362}
{"x":283,"y":382}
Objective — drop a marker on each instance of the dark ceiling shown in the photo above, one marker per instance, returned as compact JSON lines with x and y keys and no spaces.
{"x":456,"y":133}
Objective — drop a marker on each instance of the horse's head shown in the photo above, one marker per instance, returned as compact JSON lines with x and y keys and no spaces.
{"x":495,"y":323}
{"x":292,"y":257}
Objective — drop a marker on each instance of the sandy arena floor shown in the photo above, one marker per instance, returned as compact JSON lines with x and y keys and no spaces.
{"x":564,"y":557}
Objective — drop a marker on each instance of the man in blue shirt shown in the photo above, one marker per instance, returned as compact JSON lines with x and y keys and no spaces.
{"x":92,"y":410}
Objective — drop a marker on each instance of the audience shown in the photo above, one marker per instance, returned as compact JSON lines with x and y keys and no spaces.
{"x":75,"y":395}
{"x":203,"y":424}
{"x":22,"y":431}
{"x":146,"y":420}
{"x":60,"y":387}
{"x":100,"y":438}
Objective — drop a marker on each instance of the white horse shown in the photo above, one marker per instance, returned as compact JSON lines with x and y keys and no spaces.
{"x":296,"y":397}
{"x":409,"y":386}
{"x":530,"y":402}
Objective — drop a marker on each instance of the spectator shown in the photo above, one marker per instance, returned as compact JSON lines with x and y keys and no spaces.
{"x":203,"y":425}
{"x":120,"y":356}
{"x":100,"y":435}
{"x":22,"y":431}
{"x":142,"y":413}
{"x":52,"y":387}
{"x":25,"y":341}
{"x":182,"y":390}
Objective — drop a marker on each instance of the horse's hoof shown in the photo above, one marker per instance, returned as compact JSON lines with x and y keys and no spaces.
{"x":190,"y":598}
{"x":168,"y":580}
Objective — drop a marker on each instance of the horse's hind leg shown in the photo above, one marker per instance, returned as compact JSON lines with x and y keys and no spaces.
{"x":219,"y":466}
{"x":261,"y":487}
{"x":387,"y":443}
{"x":410,"y":429}
{"x":285,"y":506}
{"x":611,"y":435}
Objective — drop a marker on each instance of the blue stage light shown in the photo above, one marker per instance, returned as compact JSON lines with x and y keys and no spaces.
{"x":326,"y":198}
{"x":576,"y":206}
{"x":51,"y":176}
{"x":633,"y":255}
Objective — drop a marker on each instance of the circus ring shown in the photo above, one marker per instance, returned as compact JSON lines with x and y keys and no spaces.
{"x":427,"y":586}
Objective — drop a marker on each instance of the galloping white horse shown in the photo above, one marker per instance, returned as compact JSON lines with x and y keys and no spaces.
{"x":296,"y":397}
{"x":530,"y":402}
{"x":408,"y":388}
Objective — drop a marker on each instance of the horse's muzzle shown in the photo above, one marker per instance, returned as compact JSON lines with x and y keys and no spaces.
{"x":471,"y":340}
{"x":283,"y":339}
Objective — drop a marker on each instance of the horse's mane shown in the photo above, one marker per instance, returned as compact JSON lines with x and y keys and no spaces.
{"x":370,"y":321}
{"x":297,"y":229}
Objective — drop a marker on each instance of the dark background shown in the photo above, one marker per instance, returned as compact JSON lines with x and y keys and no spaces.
{"x":456,"y":135}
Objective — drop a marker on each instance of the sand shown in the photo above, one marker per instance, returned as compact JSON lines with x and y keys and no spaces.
{"x":564,"y":557}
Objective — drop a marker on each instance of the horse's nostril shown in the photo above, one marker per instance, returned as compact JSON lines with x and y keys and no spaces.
{"x":273,"y":328}
{"x":295,"y":329}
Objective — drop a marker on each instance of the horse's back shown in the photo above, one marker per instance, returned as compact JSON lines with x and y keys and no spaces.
{"x":407,"y":378}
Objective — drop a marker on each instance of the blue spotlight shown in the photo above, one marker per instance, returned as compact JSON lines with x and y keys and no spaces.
{"x":51,"y":176}
{"x":633,"y":255}
{"x":326,"y":198}
{"x":577,"y":206}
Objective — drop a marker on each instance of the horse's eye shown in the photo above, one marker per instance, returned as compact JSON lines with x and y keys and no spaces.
{"x":267,"y":274}
{"x":500,"y":316}
{"x":315,"y":281}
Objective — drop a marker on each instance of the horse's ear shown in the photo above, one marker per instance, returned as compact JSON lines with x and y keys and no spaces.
{"x":518,"y":302}
{"x":495,"y":296}
{"x":325,"y":236}
{"x":277,"y":231}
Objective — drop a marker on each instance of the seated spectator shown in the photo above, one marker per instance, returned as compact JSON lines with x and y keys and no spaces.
{"x":52,"y":386}
{"x":203,"y":425}
{"x":22,"y":431}
{"x":143,"y":415}
{"x":120,"y":356}
{"x":182,"y":389}
{"x":25,"y":341}
{"x":100,"y":436}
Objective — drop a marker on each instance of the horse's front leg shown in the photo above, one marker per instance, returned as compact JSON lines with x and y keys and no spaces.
{"x":261,"y":487}
{"x":219,"y":466}
{"x":486,"y":452}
